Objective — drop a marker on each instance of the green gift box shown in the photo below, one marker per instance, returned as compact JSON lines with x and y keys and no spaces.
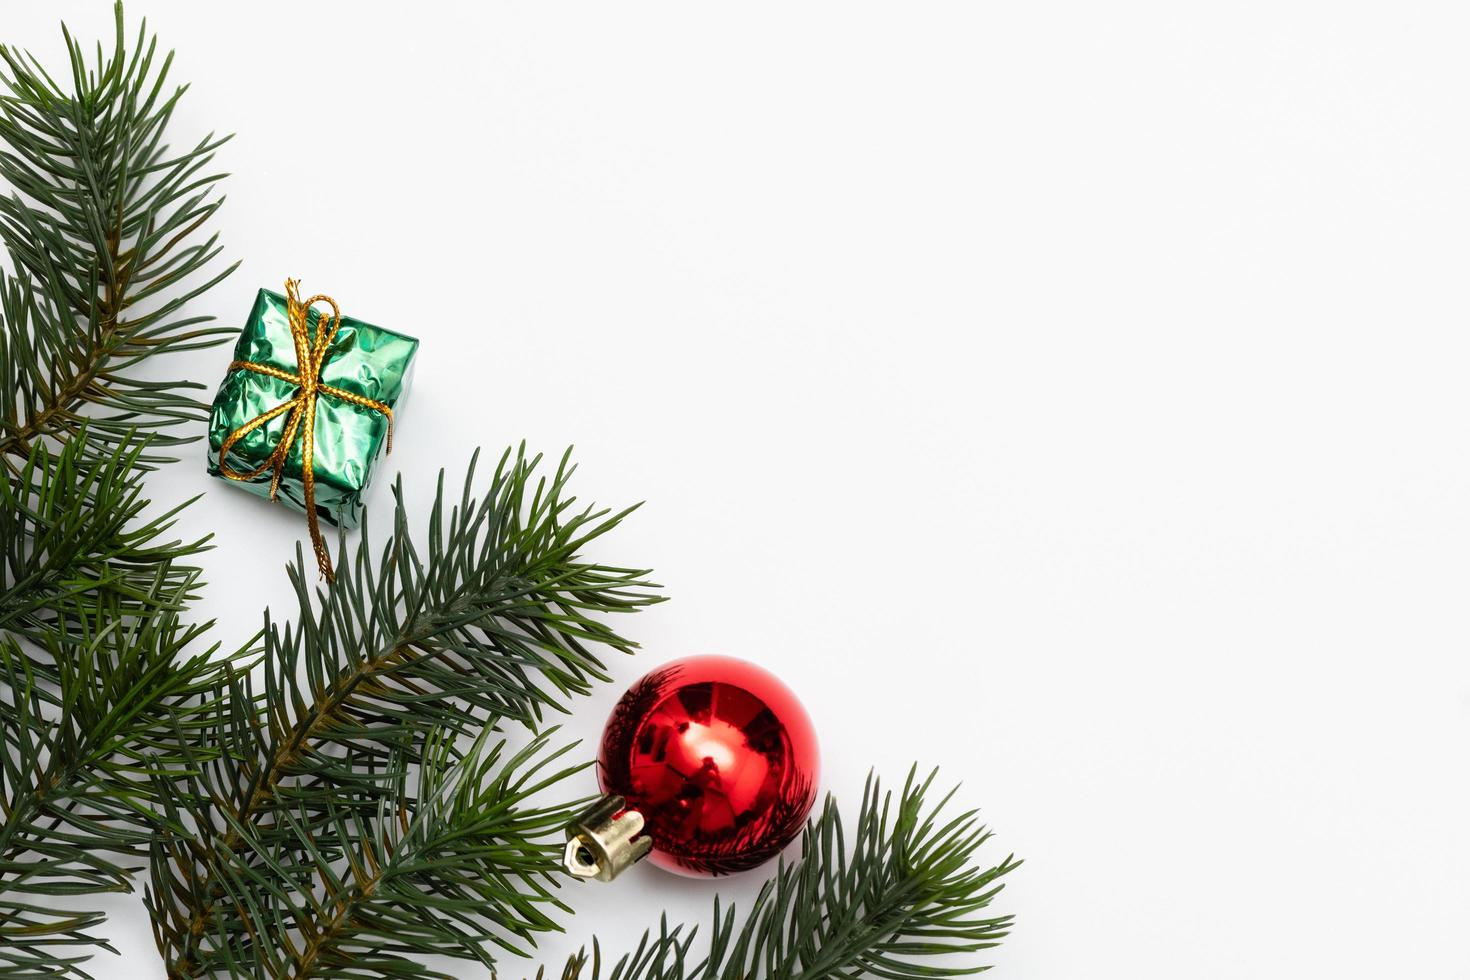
{"x":308,"y":384}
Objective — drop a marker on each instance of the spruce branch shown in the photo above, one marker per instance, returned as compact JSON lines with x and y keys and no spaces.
{"x":496,"y":619}
{"x":36,"y":938}
{"x":103,"y":226}
{"x":95,"y":668}
{"x":470,"y":865}
{"x":104,"y":229}
{"x":79,"y":760}
{"x":909,"y":891}
{"x":464,"y":864}
{"x":73,"y":525}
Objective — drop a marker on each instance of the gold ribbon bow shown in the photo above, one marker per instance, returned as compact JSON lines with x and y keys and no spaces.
{"x":311,"y":354}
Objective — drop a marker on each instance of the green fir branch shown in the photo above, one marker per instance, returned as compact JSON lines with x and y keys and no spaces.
{"x":907,"y":896}
{"x":80,"y":759}
{"x":104,"y":228}
{"x":74,"y":524}
{"x":96,"y":680}
{"x":496,"y":619}
{"x":466,"y":864}
{"x":37,"y":938}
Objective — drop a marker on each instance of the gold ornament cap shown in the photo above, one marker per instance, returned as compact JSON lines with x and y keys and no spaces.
{"x":605,"y":841}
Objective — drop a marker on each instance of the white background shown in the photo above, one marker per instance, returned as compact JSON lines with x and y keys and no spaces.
{"x":1070,"y":395}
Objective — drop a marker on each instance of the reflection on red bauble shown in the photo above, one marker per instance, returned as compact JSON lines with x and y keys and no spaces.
{"x":720,"y":759}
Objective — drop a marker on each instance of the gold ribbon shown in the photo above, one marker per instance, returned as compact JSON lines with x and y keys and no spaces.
{"x":311,"y":354}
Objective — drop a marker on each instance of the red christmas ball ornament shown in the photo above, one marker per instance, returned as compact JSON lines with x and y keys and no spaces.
{"x":710,"y":767}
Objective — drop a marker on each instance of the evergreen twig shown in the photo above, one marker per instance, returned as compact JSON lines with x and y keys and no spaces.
{"x":103,"y":226}
{"x":341,"y":888}
{"x":76,"y":758}
{"x":908,"y":892}
{"x":498,"y":619}
{"x":74,"y":524}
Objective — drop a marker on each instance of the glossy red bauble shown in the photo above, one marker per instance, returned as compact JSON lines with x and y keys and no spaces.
{"x":720,"y":759}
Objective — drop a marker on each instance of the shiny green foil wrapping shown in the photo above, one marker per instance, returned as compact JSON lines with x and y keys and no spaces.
{"x":363,"y":359}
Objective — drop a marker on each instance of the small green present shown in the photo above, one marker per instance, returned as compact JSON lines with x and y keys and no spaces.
{"x":306,"y":406}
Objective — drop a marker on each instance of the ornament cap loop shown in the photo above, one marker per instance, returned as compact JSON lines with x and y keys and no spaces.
{"x":605,"y":840}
